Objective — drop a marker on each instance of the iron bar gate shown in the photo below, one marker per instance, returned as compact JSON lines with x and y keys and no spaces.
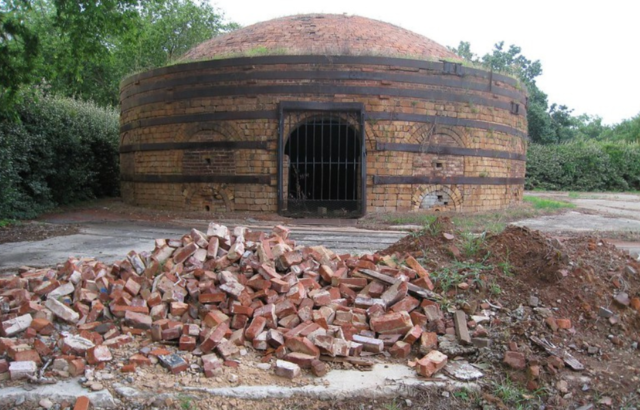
{"x":321,"y":159}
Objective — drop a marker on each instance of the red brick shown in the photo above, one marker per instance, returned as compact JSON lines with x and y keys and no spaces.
{"x":140,"y":360}
{"x":138,"y":320}
{"x":392,"y":323}
{"x":187,"y":343}
{"x":301,"y":359}
{"x":256,"y":327}
{"x":128,"y":368}
{"x":515,"y":360}
{"x":98,"y":354}
{"x":413,"y":335}
{"x":82,"y":403}
{"x":563,"y":323}
{"x":400,"y":349}
{"x":319,"y":368}
{"x":76,"y":367}
{"x":431,"y":363}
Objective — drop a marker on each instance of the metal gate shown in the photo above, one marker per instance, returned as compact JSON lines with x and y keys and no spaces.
{"x":321,"y":160}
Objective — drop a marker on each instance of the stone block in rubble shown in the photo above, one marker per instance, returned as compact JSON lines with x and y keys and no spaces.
{"x":174,"y":363}
{"x":22,"y":370}
{"x":369,"y":344}
{"x":431,"y":363}
{"x":287,"y":369}
{"x":392,"y":323}
{"x":460,"y":323}
{"x":62,"y":311}
{"x":16,"y":325}
{"x":98,"y":354}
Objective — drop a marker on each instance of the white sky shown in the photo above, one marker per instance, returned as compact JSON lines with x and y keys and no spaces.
{"x":589,"y":50}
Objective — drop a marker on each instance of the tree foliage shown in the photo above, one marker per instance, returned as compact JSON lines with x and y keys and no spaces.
{"x":83,"y":48}
{"x":18,"y":51}
{"x":60,"y":150}
{"x":548,"y":123}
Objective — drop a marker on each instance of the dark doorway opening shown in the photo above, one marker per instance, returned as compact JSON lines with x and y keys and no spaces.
{"x":322,"y":165}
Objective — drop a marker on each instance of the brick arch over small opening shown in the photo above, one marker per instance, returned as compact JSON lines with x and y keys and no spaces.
{"x":434,"y":134}
{"x":207,"y":131}
{"x":437,"y":198}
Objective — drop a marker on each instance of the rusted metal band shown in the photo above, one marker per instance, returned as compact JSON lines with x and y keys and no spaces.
{"x":273,"y":115}
{"x":314,"y":89}
{"x":249,"y":62}
{"x":169,"y":146}
{"x":175,"y":179}
{"x":456,"y":180}
{"x":209,"y":80}
{"x":448,"y":150}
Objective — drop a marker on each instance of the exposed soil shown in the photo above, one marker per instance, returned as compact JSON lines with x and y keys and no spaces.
{"x":569,"y":279}
{"x":34,"y":231}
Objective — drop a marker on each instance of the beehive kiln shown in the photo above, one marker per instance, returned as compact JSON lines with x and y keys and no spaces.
{"x":322,"y":115}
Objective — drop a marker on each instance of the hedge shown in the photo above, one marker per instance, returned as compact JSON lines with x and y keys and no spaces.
{"x":56,"y":151}
{"x":584,"y":166}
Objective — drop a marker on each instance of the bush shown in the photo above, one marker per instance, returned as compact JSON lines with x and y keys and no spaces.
{"x":584,"y":166}
{"x":56,"y":151}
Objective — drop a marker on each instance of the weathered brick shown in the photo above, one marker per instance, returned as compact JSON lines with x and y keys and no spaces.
{"x":431,"y":363}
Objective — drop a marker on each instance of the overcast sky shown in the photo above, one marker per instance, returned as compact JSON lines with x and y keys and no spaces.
{"x":590,"y":50}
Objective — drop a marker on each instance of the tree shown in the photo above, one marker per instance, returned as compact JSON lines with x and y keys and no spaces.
{"x":547,"y":124}
{"x":83,"y":48}
{"x":18,"y":51}
{"x":166,"y":30}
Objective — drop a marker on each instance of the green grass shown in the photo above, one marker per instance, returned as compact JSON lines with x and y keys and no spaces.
{"x":7,"y":222}
{"x":449,"y":276}
{"x":574,"y":195}
{"x":472,"y":243}
{"x":547,"y":204}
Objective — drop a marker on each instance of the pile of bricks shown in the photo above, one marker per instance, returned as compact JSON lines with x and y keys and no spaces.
{"x":213,"y":294}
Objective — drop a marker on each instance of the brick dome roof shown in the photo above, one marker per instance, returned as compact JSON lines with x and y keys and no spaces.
{"x":323,"y":34}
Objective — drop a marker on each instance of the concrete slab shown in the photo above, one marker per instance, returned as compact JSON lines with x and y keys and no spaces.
{"x":385,"y":380}
{"x":68,"y":390}
{"x":109,"y":242}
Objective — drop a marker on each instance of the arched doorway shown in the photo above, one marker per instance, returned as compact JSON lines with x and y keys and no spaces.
{"x":322,"y":165}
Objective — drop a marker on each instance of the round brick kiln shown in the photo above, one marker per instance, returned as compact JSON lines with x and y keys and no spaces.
{"x":322,"y":115}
